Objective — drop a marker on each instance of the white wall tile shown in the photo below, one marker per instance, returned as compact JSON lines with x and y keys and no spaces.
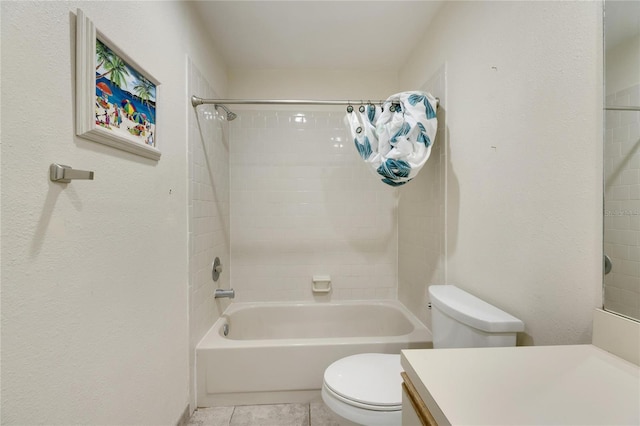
{"x":303,"y":203}
{"x":209,"y":219}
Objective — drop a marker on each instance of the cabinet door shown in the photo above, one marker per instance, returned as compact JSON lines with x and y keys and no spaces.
{"x":409,"y":415}
{"x":414,"y":410}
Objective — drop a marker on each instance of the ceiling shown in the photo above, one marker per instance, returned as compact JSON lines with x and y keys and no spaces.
{"x":316,"y":34}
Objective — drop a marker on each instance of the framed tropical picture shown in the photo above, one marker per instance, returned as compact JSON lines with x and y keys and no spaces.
{"x":115,"y":97}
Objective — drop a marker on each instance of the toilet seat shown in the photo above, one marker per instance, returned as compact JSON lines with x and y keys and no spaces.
{"x":361,"y":405}
{"x":367,"y":381}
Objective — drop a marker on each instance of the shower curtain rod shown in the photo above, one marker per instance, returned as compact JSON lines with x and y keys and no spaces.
{"x":195,"y":101}
{"x":621,"y":108}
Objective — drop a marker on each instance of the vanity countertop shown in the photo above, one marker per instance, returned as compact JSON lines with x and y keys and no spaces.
{"x":535,"y":385}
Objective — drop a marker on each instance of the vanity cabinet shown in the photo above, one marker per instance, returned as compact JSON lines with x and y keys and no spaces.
{"x":414,"y":410}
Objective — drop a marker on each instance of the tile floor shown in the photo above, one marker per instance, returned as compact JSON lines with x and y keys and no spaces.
{"x":313,"y":414}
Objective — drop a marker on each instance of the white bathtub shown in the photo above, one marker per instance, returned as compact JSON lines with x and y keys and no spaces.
{"x":277,"y":352}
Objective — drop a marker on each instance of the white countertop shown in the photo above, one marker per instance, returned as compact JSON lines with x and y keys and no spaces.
{"x":533,"y":385}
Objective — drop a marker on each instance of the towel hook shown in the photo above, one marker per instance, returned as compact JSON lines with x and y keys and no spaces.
{"x":64,"y":174}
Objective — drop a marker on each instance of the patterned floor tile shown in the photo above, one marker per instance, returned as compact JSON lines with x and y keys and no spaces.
{"x":216,"y":416}
{"x":321,"y":415}
{"x":271,"y":415}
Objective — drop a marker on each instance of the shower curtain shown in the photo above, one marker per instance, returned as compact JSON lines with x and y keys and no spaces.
{"x":395,"y":139}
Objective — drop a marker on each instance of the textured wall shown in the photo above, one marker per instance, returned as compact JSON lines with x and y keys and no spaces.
{"x":524,"y":178}
{"x":94,"y":273}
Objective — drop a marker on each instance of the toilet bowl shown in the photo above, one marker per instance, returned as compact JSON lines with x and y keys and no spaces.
{"x":366,"y":389}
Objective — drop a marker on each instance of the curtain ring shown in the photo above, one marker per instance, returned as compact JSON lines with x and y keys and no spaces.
{"x":361,"y":109}
{"x":349,"y":107}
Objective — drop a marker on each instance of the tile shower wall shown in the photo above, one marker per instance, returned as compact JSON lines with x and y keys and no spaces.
{"x":421,"y":219}
{"x":208,"y":214}
{"x":622,"y":204}
{"x":303,"y":203}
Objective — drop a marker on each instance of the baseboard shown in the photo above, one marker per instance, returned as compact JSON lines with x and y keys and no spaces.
{"x":257,"y":398}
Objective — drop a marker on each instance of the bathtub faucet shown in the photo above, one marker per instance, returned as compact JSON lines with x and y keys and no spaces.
{"x":220,"y":293}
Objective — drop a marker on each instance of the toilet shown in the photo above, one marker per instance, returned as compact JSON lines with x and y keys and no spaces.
{"x":365,"y":389}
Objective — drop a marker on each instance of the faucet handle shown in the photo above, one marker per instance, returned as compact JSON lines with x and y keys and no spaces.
{"x":216,"y":269}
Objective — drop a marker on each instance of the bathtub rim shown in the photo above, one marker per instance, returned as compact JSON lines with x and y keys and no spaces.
{"x":213,"y":338}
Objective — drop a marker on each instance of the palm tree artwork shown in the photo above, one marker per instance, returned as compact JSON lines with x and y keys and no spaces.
{"x":103,"y":54}
{"x":144,"y":90}
{"x":116,"y":70}
{"x":131,"y":96}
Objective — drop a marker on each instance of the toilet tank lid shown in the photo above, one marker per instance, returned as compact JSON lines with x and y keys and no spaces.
{"x":472,"y":311}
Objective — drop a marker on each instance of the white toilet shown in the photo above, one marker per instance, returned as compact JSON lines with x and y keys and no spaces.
{"x":365,"y":389}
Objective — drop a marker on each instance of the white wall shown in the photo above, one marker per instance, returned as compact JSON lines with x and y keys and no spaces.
{"x":94,"y":273}
{"x":311,"y":84}
{"x":422,"y":251}
{"x":524,"y":211}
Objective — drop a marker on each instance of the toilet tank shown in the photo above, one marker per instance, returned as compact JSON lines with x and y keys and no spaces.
{"x":461,"y":320}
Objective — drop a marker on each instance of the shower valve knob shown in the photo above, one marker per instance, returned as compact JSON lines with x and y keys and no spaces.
{"x":216,"y":269}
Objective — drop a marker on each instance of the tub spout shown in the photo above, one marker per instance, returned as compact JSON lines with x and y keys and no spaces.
{"x":220,"y":293}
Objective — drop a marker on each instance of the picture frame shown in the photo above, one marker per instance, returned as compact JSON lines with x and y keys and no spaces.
{"x":116,"y":98}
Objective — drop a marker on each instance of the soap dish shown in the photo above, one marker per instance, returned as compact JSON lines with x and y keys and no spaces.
{"x":321,"y":284}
